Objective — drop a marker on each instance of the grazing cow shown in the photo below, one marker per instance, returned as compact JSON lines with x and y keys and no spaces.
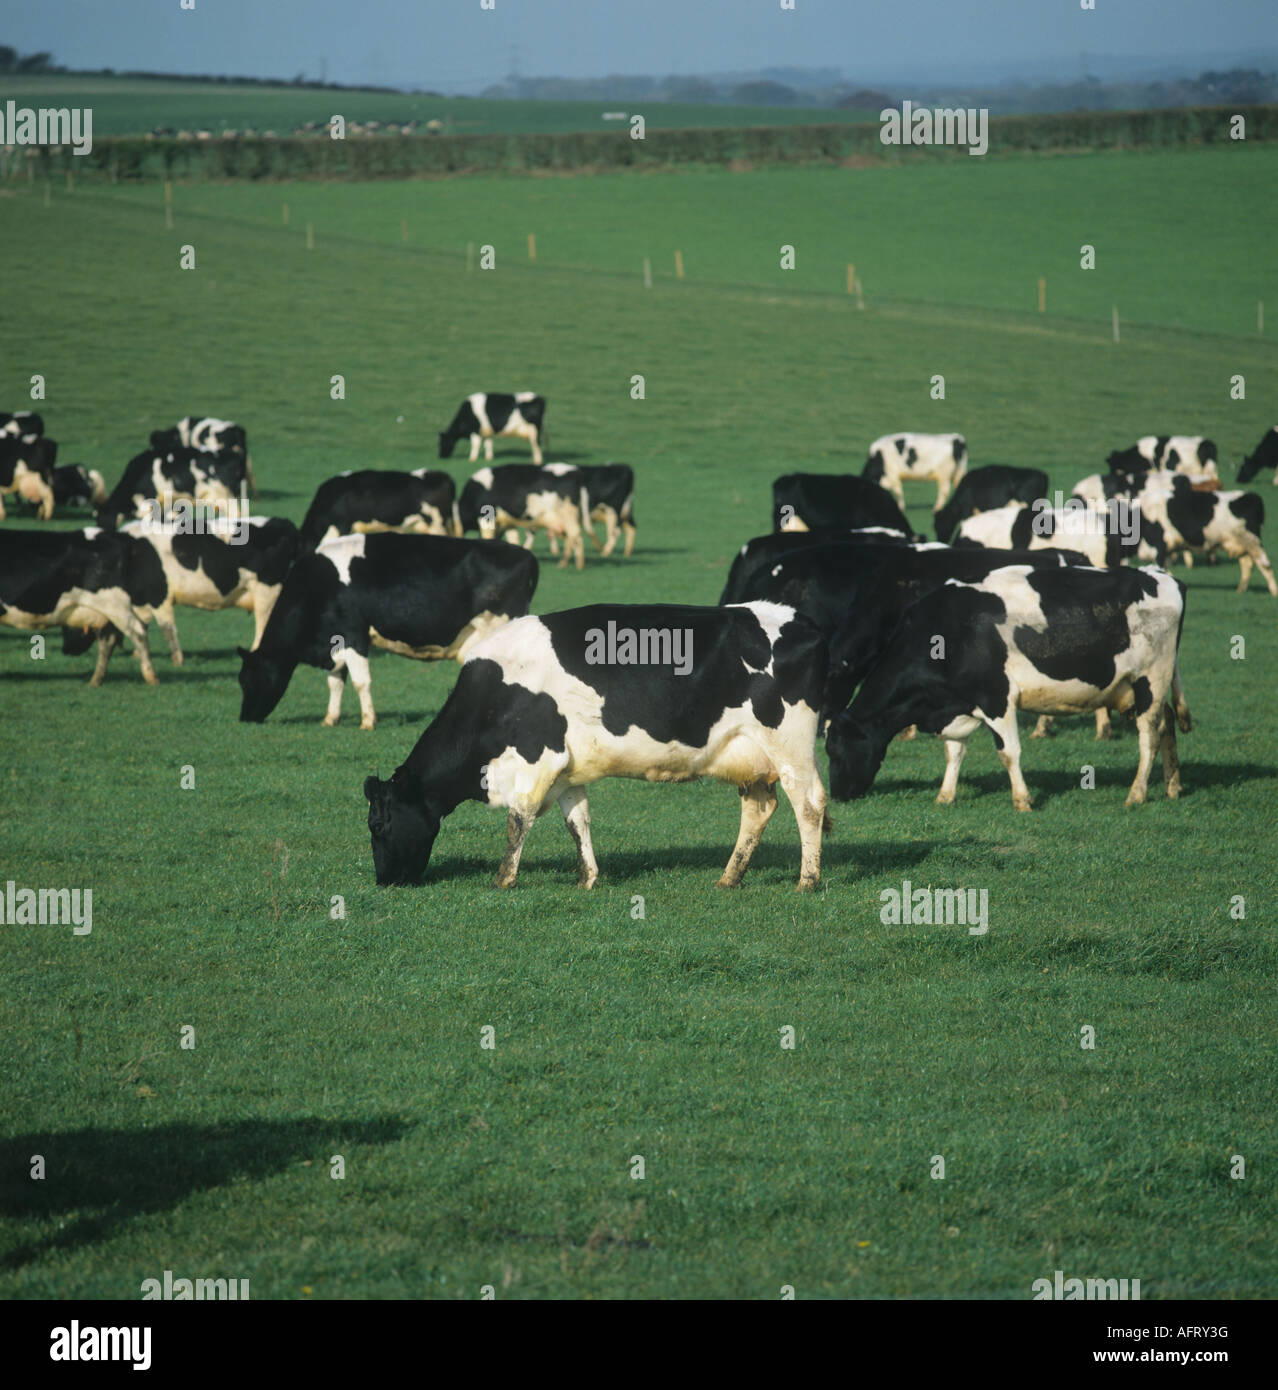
{"x":428,"y":597}
{"x":423,"y":502}
{"x":21,"y":422}
{"x":540,"y":712}
{"x":607,"y":495}
{"x":74,"y":485}
{"x":1187,"y":521}
{"x":488,"y":413}
{"x":164,"y":476}
{"x":224,"y":439}
{"x":874,"y":600}
{"x":806,"y":501}
{"x":1264,"y":456}
{"x":26,"y":468}
{"x":759,"y":556}
{"x":90,"y":579}
{"x":1055,"y":641}
{"x":984,"y":490}
{"x":1101,"y":535}
{"x":931,"y":458}
{"x":1174,"y":453}
{"x":235,"y":563}
{"x":515,"y":495}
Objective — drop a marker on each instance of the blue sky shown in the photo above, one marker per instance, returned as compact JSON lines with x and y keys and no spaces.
{"x":454,"y":45}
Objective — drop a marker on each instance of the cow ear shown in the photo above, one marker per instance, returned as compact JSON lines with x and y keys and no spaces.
{"x":372,"y":785}
{"x":243,"y":653}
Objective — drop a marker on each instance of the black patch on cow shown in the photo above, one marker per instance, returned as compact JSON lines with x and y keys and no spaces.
{"x":1142,"y":694}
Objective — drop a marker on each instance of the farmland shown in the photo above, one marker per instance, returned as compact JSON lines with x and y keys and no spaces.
{"x":619,"y":1035}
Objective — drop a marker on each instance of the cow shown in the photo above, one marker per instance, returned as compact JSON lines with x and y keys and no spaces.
{"x":608,"y":495}
{"x":806,"y":501}
{"x":515,"y":495}
{"x":427,"y":597}
{"x":486,"y":414}
{"x":20,"y":422}
{"x":1174,"y":453}
{"x":757,"y":557}
{"x":1098,"y":488}
{"x":984,"y":490}
{"x":92,"y":579}
{"x":1053,"y":641}
{"x":875,"y":596}
{"x":1104,"y":535}
{"x":228,"y":563}
{"x":545,"y":707}
{"x":163,"y":476}
{"x":26,"y":468}
{"x":423,"y":502}
{"x":1189,"y":522}
{"x":933,"y":458}
{"x":74,"y":485}
{"x":1265,"y":455}
{"x":224,"y":439}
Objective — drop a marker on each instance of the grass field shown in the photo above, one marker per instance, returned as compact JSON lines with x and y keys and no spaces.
{"x":617,"y":1036}
{"x":131,"y":106}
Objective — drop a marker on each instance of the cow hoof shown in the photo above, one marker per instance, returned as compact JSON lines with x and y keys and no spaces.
{"x":807,"y":885}
{"x":587,"y":883}
{"x":329,"y":722}
{"x":95,"y":681}
{"x":179,"y":660}
{"x":367,"y":724}
{"x":943,"y":800}
{"x":1023,"y":805}
{"x":1134,"y":800}
{"x":725,"y":883}
{"x":500,"y":882}
{"x":150,"y":678}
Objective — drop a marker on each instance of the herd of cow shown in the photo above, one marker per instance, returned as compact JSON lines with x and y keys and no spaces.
{"x":841,"y":622}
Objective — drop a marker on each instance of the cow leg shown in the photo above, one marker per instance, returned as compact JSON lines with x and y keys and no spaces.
{"x":612,"y":533}
{"x":1267,"y":570}
{"x":955,"y":751}
{"x":336,"y":684}
{"x":1178,"y":699}
{"x":808,"y":804}
{"x":1,"y":506}
{"x":536,"y":450}
{"x":1043,"y":729}
{"x":532,"y":536}
{"x":577,"y":818}
{"x":1245,"y":566}
{"x":488,"y":448}
{"x":629,"y":528}
{"x":758,"y":801}
{"x":518,"y":824}
{"x":264,"y":598}
{"x":166,"y":621}
{"x":1104,"y":729}
{"x":1149,"y":732}
{"x":942,"y":493}
{"x":106,"y":645}
{"x":361,"y":679}
{"x":1171,"y":762}
{"x":46,"y":501}
{"x":248,"y":473}
{"x":1008,"y":737}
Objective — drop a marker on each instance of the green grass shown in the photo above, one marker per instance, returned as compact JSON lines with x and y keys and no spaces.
{"x":131,"y":106}
{"x":617,"y":1036}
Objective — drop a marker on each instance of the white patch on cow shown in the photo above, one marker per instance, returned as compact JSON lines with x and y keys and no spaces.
{"x":484,"y":477}
{"x":559,"y":469}
{"x":90,"y":532}
{"x":479,"y":404}
{"x":341,"y":552}
{"x":525,"y":395}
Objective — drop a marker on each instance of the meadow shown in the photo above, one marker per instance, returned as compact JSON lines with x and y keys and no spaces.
{"x":616,"y":1034}
{"x":132,"y":106}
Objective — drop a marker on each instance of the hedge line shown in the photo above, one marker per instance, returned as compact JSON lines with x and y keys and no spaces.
{"x":296,"y":157}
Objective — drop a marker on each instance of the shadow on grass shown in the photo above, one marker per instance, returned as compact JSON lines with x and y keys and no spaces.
{"x":97,"y":1180}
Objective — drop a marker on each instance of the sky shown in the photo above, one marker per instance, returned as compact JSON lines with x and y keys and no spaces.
{"x":455,"y":45}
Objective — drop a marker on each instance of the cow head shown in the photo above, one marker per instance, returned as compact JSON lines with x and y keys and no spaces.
{"x":403,"y":830}
{"x":263,"y":681}
{"x":1249,"y":467}
{"x":447,"y":442}
{"x":855,"y":757}
{"x":873,"y":470}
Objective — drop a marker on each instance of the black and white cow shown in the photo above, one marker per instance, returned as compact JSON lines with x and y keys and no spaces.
{"x":427,"y":597}
{"x":874,"y":598}
{"x":528,"y":496}
{"x":1188,"y":522}
{"x":806,"y":501}
{"x":1053,"y":641}
{"x":423,"y":502}
{"x":1102,"y":535}
{"x":92,"y":579}
{"x":929,"y":458}
{"x":486,"y":414}
{"x":224,"y":439}
{"x":163,"y":476}
{"x":1175,"y":453}
{"x":535,"y":718}
{"x":759,"y":556}
{"x":74,"y":485}
{"x":26,"y":469}
{"x":228,"y":563}
{"x":608,"y":495}
{"x":984,"y":490}
{"x":1265,"y":455}
{"x":20,"y":422}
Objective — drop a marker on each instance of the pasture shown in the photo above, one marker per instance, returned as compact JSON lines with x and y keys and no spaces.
{"x":619,"y":1035}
